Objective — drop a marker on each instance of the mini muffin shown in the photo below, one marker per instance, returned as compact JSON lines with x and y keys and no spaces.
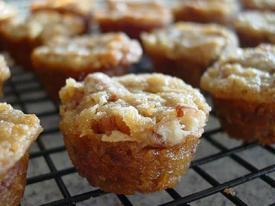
{"x":254,"y":28}
{"x":135,"y":133}
{"x":17,"y":132}
{"x":264,"y":5}
{"x":4,"y":73}
{"x":133,"y":17}
{"x":243,"y":88}
{"x":81,"y":8}
{"x":206,"y":11}
{"x":185,"y":50}
{"x":6,"y":13}
{"x":111,"y":53}
{"x":21,"y":36}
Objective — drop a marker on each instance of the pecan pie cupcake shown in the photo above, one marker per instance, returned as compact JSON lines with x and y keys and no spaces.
{"x":135,"y":133}
{"x":206,"y":11}
{"x":110,"y":53}
{"x":255,"y":27}
{"x":133,"y":17}
{"x":81,"y":8}
{"x":243,"y":88}
{"x":4,"y":73}
{"x":185,"y":50}
{"x":6,"y":13}
{"x":21,"y":36}
{"x":264,"y":5}
{"x":17,"y":132}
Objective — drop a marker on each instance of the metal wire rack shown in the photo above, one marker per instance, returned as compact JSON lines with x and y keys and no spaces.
{"x":225,"y":172}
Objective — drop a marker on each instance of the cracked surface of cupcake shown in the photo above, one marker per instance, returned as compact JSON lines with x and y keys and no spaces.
{"x":143,"y":128}
{"x":133,"y":17}
{"x":242,"y":85}
{"x":254,"y":28}
{"x":17,"y":132}
{"x":185,"y":50}
{"x":111,"y":53}
{"x":206,"y":11}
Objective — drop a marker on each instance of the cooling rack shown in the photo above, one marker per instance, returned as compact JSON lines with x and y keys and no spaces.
{"x":232,"y":164}
{"x":224,"y":172}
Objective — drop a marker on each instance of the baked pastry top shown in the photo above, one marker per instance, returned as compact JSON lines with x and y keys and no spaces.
{"x":4,"y":72}
{"x":259,"y":4}
{"x":210,"y":8}
{"x":91,"y":51}
{"x":191,"y":40}
{"x":6,"y":11}
{"x":78,"y":7}
{"x":17,"y":132}
{"x":152,"y":109}
{"x":136,"y":12}
{"x":42,"y":26}
{"x":260,"y":23}
{"x":247,"y":74}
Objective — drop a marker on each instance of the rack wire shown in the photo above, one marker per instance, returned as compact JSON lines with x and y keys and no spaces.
{"x":225,"y":171}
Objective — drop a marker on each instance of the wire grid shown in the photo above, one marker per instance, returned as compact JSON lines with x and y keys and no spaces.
{"x":23,"y":91}
{"x":19,"y":92}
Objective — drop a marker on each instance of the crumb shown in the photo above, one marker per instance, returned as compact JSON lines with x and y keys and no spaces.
{"x":229,"y":191}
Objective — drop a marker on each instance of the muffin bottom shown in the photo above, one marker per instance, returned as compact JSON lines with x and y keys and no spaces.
{"x":13,"y":183}
{"x":132,"y":30}
{"x":247,"y":120}
{"x":53,"y":79}
{"x":250,"y":39}
{"x":194,"y":15}
{"x":127,"y":167}
{"x":183,"y":68}
{"x":20,"y":50}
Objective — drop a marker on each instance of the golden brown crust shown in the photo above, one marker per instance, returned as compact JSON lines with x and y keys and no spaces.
{"x":12,"y":184}
{"x":180,"y":45}
{"x":245,"y":120}
{"x":142,"y":128}
{"x":20,"y":36}
{"x":150,"y":109}
{"x":265,"y":5}
{"x":4,"y":72}
{"x":17,"y":132}
{"x":245,"y":74}
{"x":255,"y":27}
{"x":133,"y":168}
{"x":206,"y":11}
{"x":133,"y":17}
{"x":243,"y":88}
